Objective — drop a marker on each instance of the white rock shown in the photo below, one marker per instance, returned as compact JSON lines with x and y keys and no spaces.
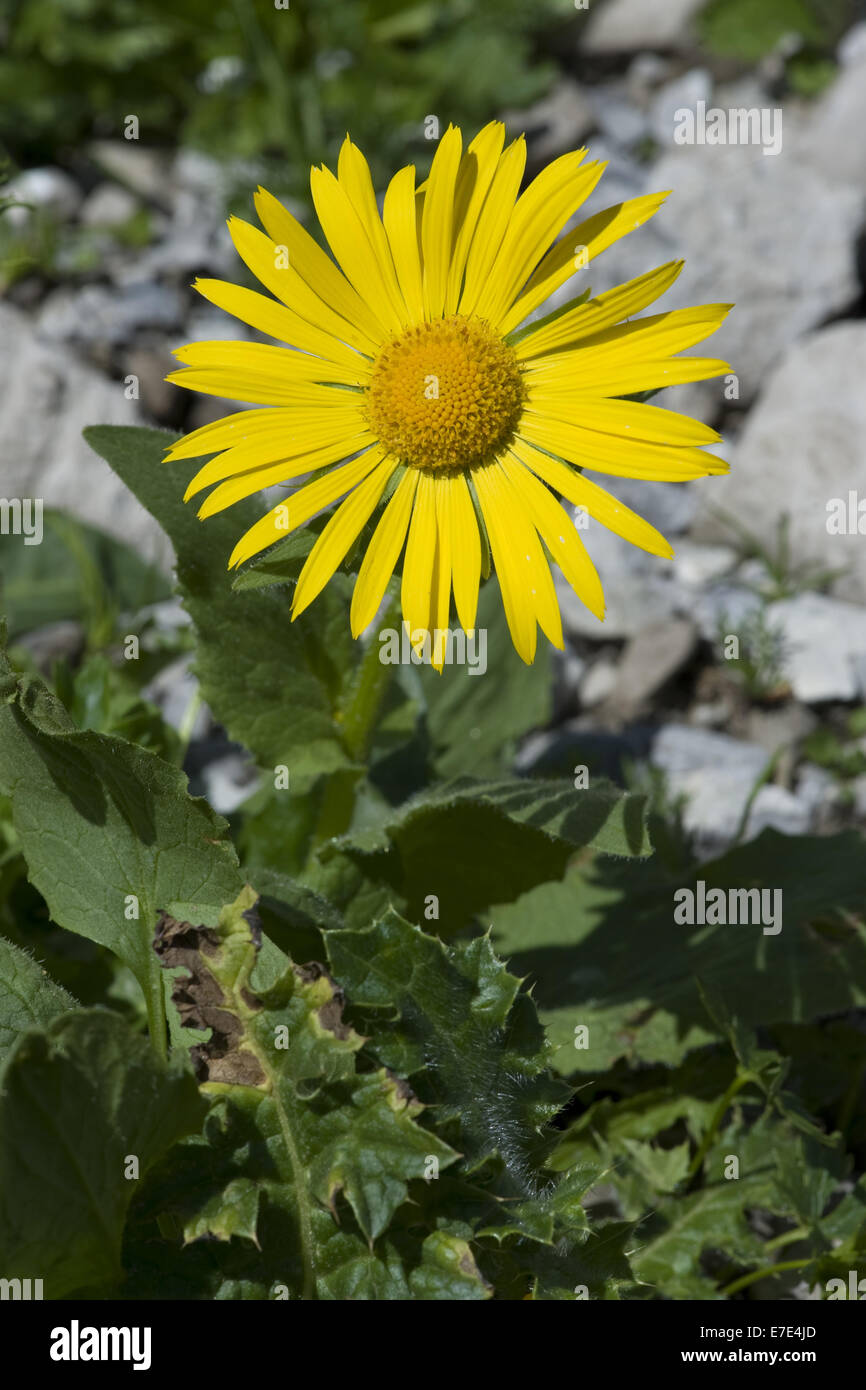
{"x":829,"y":141}
{"x":769,"y":234}
{"x":683,"y":92}
{"x":777,"y":809}
{"x":803,"y":445}
{"x":48,"y":398}
{"x":49,"y":188}
{"x":624,"y":25}
{"x":824,"y":646}
{"x":559,"y":121}
{"x":108,"y":205}
{"x":650,"y":660}
{"x":136,"y":166}
{"x":852,"y":48}
{"x":94,"y":314}
{"x":696,"y":565}
{"x":598,"y":683}
{"x":228,"y":782}
{"x":679,"y":748}
{"x":618,"y":118}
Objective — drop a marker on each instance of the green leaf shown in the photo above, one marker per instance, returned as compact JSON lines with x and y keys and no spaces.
{"x":456,"y":1023}
{"x":28,"y":998}
{"x":302,"y":1129}
{"x":79,"y":1101}
{"x":275,"y":685}
{"x":469,"y":844}
{"x":108,"y":831}
{"x":605,"y":952}
{"x":89,"y":569}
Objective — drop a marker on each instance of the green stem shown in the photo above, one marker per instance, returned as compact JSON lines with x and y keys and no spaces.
{"x":718,"y":1115}
{"x":362,"y":707}
{"x":747,"y":1279}
{"x":786,"y":1238}
{"x":154,"y":998}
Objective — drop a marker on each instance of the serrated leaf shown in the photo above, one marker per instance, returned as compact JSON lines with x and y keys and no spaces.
{"x":474,"y":843}
{"x":28,"y":998}
{"x":331,"y":1150}
{"x":604,"y":950}
{"x":458,"y":1026}
{"x":79,"y":1099}
{"x":281,"y":700}
{"x":108,"y":831}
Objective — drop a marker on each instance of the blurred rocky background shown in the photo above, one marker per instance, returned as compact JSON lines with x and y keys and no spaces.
{"x":129,"y":131}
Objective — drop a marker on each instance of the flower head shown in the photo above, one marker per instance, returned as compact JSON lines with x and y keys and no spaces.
{"x":408,"y":392}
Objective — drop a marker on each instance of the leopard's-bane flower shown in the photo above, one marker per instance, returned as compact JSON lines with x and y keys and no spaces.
{"x":406,"y":388}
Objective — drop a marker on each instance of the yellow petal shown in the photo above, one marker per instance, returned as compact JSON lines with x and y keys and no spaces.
{"x":351,"y":246}
{"x":625,"y":458}
{"x":354,"y":177}
{"x":316,"y":268}
{"x":492,"y":222}
{"x":415,"y":590}
{"x":300,"y":506}
{"x":474,"y":178}
{"x":601,"y":312}
{"x":401,"y":226}
{"x":437,"y":222}
{"x":383,"y":553}
{"x":657,"y":335}
{"x":508,"y":528}
{"x":340,"y":533}
{"x":286,"y":446}
{"x":271,"y":263}
{"x":559,"y":534}
{"x":281,"y":323}
{"x":540,"y":215}
{"x":582,"y":244}
{"x":245,"y":484}
{"x":626,"y":419}
{"x":466,"y":551}
{"x":608,"y":510}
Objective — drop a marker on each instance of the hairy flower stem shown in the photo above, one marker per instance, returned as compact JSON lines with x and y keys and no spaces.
{"x":361,"y":710}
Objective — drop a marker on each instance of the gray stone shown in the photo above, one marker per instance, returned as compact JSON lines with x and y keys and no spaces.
{"x":108,"y":205}
{"x":695,"y":565}
{"x":47,"y":188}
{"x":774,"y":808}
{"x":598,"y":683}
{"x":679,"y":748}
{"x":58,"y":641}
{"x":829,"y":142}
{"x":625,"y":25}
{"x":145,"y":171}
{"x":816,"y":788}
{"x":559,"y":121}
{"x":724,"y":608}
{"x":47,"y":399}
{"x":771,"y":235}
{"x":684,"y":91}
{"x":716,"y":775}
{"x":650,"y":660}
{"x":96,"y":315}
{"x":852,"y":48}
{"x":781,"y":727}
{"x":618,"y":118}
{"x":824,"y":646}
{"x":802,"y":447}
{"x":228,"y":781}
{"x":174,"y":691}
{"x":858,"y":787}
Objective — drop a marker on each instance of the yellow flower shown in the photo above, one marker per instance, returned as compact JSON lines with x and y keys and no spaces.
{"x":406,"y":383}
